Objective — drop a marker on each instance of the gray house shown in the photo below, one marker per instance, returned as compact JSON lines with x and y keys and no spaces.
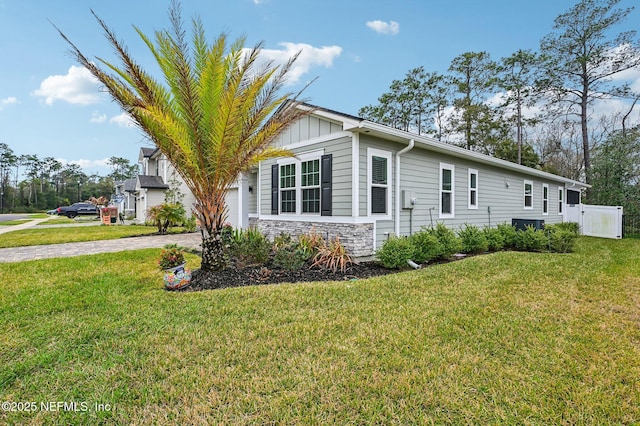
{"x":364,"y":182}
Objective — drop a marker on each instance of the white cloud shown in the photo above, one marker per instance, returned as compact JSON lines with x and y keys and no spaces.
{"x":309,"y":57}
{"x":98,"y":118}
{"x":86,"y":164}
{"x":383,"y":27}
{"x":122,"y":120}
{"x":11,"y":100}
{"x":78,"y":86}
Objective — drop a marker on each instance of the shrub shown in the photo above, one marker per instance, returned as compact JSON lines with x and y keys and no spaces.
{"x":311,"y":242}
{"x":395,"y":252}
{"x":573,"y":227}
{"x":426,"y":246}
{"x":290,"y":257}
{"x":495,"y":239}
{"x":448,"y":240}
{"x":509,"y":235}
{"x":561,"y":238}
{"x":282,"y":240}
{"x":473,"y":239}
{"x":531,"y":239}
{"x":228,"y":234}
{"x":250,"y":246}
{"x":190,"y":224}
{"x":166,"y":215}
{"x":332,"y":256}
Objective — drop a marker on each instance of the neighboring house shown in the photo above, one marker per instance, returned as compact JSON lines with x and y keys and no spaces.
{"x":365,"y":182}
{"x":149,"y":188}
{"x":125,"y":197}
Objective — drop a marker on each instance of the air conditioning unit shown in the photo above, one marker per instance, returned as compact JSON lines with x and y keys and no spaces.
{"x":521,"y":224}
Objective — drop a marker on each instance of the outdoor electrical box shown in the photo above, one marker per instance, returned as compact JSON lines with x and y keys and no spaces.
{"x":408,"y":199}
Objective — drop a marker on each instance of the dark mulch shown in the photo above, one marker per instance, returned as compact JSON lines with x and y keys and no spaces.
{"x":235,"y":276}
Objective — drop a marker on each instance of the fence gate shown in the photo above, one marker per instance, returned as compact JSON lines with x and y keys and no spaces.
{"x":601,"y":221}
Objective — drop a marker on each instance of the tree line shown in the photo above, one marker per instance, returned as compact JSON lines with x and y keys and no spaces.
{"x":29,"y":183}
{"x":535,"y":108}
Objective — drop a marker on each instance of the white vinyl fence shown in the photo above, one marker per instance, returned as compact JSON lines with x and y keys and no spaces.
{"x":601,"y":221}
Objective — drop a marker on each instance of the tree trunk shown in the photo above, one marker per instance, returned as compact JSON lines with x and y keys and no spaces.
{"x":213,"y":256}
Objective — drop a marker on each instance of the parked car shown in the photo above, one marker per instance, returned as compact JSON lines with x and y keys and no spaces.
{"x":77,"y":209}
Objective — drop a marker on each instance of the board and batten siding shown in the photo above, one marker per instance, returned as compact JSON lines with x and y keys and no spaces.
{"x":306,"y":128}
{"x":340,"y":148}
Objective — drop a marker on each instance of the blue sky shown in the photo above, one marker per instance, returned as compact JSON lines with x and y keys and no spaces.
{"x":49,"y":107}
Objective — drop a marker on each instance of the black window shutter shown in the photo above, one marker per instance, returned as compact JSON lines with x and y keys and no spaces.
{"x":326,"y":183}
{"x":274,"y":189}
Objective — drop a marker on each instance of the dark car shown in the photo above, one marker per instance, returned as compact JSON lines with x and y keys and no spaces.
{"x":77,"y":209}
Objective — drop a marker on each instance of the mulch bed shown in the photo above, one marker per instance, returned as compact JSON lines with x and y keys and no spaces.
{"x":235,"y":276}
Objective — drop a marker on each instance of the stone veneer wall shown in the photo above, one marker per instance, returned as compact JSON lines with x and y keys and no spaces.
{"x":357,"y":238}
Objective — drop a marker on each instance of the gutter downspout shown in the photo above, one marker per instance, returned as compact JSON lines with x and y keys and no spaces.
{"x":398,"y":154}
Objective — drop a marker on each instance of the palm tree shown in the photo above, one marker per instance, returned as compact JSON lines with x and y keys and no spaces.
{"x":214,"y":118}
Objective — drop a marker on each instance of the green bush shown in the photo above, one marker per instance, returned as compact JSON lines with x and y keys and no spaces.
{"x":473,"y":239}
{"x":495,"y":239}
{"x":509,"y":235}
{"x":166,"y":215}
{"x":573,"y":227}
{"x":250,"y":246}
{"x":561,"y":238}
{"x":532,"y":239}
{"x":448,"y":239}
{"x":395,"y":252}
{"x":290,"y":257}
{"x":190,"y":224}
{"x":426,"y":246}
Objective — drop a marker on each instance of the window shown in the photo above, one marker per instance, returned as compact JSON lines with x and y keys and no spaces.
{"x":288,"y":188}
{"x":473,"y":189}
{"x":310,"y":184}
{"x":545,"y":198}
{"x":528,"y":194}
{"x":379,"y":173}
{"x":447,"y":187}
{"x":560,"y":199}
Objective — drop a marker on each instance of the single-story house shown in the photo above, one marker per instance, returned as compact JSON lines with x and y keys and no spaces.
{"x":365,"y":182}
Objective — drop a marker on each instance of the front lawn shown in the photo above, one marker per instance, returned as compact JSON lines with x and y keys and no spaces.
{"x":506,"y":338}
{"x":39,"y":236}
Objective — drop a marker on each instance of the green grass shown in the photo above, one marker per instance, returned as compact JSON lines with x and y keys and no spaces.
{"x":507,"y":338}
{"x":63,"y":220}
{"x":38,"y":236}
{"x":14,"y":222}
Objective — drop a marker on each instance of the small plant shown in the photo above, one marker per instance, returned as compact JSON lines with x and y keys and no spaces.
{"x":395,"y":252}
{"x":291,"y":257}
{"x":311,"y":242}
{"x":509,"y":235}
{"x":228,"y":234}
{"x":531,"y":239}
{"x":332,"y":256}
{"x":448,"y":240}
{"x":426,"y":246}
{"x":249,"y":246}
{"x":282,"y":240}
{"x":165,"y":216}
{"x":473,"y":239}
{"x":190,"y":224}
{"x":495,"y":239}
{"x":171,"y":256}
{"x":562,"y":238}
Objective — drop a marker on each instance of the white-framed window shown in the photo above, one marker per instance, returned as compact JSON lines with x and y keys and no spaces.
{"x":447,"y":190}
{"x":528,"y":195}
{"x":310,"y":185}
{"x":379,"y":182}
{"x":560,"y":200}
{"x":473,"y":189}
{"x":299,"y":184}
{"x":288,"y":188}
{"x":545,"y":198}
